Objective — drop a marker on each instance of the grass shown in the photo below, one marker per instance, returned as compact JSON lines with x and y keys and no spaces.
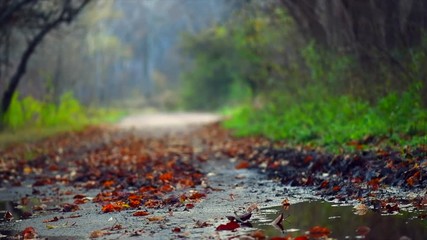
{"x":30,"y":120}
{"x":335,"y":122}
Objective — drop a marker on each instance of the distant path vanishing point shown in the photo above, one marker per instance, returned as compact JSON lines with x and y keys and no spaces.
{"x":170,"y":121}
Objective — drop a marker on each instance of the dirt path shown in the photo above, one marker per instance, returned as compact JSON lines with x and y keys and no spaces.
{"x":188,"y":174}
{"x":227,"y":190}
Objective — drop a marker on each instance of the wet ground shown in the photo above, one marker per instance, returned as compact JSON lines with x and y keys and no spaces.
{"x":230,"y":192}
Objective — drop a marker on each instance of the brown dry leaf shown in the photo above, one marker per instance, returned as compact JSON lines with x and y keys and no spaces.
{"x":97,"y":234}
{"x":155,"y":218}
{"x":8,"y":216}
{"x":360,"y":209}
{"x":258,"y":234}
{"x":253,"y":207}
{"x":140,"y":213}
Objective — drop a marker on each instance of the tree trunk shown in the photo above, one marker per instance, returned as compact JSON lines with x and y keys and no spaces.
{"x":21,"y":69}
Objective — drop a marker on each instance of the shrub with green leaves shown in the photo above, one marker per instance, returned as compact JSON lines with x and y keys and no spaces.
{"x":28,"y":112}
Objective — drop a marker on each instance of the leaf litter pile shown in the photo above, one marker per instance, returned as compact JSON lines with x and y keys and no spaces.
{"x":141,"y":174}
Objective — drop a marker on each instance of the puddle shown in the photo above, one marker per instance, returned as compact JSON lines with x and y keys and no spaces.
{"x":341,"y":221}
{"x":22,"y":210}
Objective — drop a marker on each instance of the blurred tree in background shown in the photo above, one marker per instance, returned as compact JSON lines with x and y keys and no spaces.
{"x":30,"y":21}
{"x":362,"y":48}
{"x":315,"y":69}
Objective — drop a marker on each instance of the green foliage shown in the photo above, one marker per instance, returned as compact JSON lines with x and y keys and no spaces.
{"x":234,"y":61}
{"x":336,"y":120}
{"x":303,"y":91}
{"x":69,"y":113}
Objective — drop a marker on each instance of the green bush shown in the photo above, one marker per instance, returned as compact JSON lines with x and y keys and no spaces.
{"x":28,"y":112}
{"x":334,"y":121}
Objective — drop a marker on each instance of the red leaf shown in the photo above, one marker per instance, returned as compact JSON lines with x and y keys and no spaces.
{"x":197,"y":195}
{"x":176,"y":230}
{"x":29,"y":233}
{"x":281,"y":238}
{"x":363,"y":230}
{"x":242,"y":165}
{"x":230,"y":226}
{"x":189,"y":206}
{"x":318,"y":231}
{"x":134,"y":203}
{"x":301,"y":238}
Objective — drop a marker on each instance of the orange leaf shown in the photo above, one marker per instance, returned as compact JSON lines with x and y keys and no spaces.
{"x":141,"y":213}
{"x":152,"y":203}
{"x":155,"y":218}
{"x":166,"y":188}
{"x":242,"y":165}
{"x":29,"y":233}
{"x":166,"y":176}
{"x":318,"y":231}
{"x":111,"y":207}
{"x":134,"y":203}
{"x":197,"y":195}
{"x":108,"y":183}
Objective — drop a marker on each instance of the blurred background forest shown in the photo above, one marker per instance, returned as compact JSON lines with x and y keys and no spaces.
{"x":308,"y":70}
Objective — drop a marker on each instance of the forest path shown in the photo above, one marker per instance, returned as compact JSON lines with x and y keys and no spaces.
{"x":218,"y":188}
{"x":154,"y":123}
{"x":181,"y":174}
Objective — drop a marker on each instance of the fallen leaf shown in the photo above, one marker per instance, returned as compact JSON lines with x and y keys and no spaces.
{"x":141,"y":213}
{"x":69,"y":207}
{"x":244,"y":217}
{"x":197,"y":195}
{"x":166,"y":176}
{"x":49,"y":226}
{"x":155,"y":218}
{"x":54,"y":219}
{"x":242,"y":165}
{"x":363,"y":230}
{"x":8,"y":216}
{"x":201,"y":224}
{"x":285,"y":202}
{"x":189,"y":206}
{"x":360,"y":209}
{"x":258,"y":234}
{"x":301,"y":238}
{"x":230,"y":226}
{"x":318,"y":232}
{"x":253,"y":207}
{"x":29,"y":233}
{"x":282,"y":238}
{"x":97,"y":234}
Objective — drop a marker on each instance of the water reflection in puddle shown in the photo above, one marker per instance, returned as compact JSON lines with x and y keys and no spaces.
{"x":342,"y":222}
